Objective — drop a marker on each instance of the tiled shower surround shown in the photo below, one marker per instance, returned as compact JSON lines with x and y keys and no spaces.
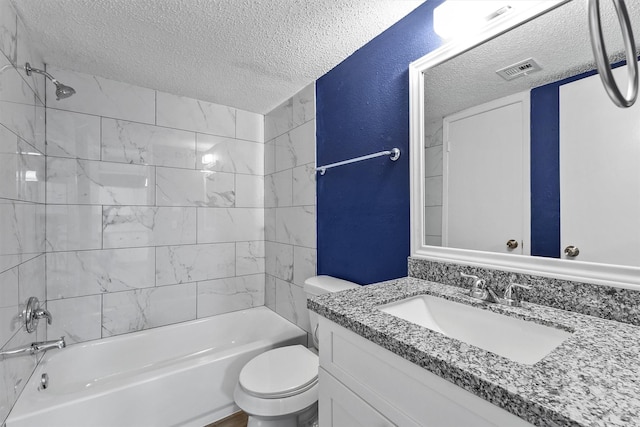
{"x":154,"y":209}
{"x":290,"y":205}
{"x":141,"y":208}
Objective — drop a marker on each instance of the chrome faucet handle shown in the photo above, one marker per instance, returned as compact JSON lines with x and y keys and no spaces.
{"x":478,"y":282}
{"x":509,"y":291}
{"x":508,"y":298}
{"x":468,"y":276}
{"x":41,"y":313}
{"x":32,"y":313}
{"x":478,"y":290}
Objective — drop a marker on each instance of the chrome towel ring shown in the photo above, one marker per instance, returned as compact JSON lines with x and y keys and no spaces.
{"x":602,"y":59}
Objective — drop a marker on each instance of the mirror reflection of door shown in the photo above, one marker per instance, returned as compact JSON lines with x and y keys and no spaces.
{"x":486,"y":203}
{"x":599,"y":174}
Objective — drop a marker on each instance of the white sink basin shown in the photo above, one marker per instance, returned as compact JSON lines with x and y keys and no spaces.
{"x":516,"y":339}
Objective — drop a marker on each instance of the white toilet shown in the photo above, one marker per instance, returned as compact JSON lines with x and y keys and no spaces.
{"x":280,"y":386}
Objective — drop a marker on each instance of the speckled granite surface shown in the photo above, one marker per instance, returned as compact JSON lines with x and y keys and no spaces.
{"x":622,"y":305}
{"x":592,"y":379}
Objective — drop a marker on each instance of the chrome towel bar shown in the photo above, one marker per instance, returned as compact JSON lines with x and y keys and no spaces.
{"x":394,"y":154}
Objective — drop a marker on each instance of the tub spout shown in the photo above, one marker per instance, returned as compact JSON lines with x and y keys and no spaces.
{"x":34,"y":348}
{"x":39,"y":347}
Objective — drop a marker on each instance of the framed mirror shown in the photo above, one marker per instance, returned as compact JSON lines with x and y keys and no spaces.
{"x":519,"y":161}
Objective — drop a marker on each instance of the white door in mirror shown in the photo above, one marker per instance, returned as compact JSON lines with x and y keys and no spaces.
{"x":599,"y":174}
{"x":486,"y":177}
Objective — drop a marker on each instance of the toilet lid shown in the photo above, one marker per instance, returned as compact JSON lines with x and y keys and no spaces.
{"x":281,"y":372}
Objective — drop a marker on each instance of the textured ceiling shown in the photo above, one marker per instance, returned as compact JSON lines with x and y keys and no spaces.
{"x":559,"y":41}
{"x":248,"y":54}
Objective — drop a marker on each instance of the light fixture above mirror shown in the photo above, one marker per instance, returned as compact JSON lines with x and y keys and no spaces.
{"x":460,"y":18}
{"x":463,"y":18}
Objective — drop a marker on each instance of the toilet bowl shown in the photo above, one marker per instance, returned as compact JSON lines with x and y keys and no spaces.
{"x":280,"y":387}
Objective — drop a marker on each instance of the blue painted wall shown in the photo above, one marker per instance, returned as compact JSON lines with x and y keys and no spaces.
{"x":545,"y":171}
{"x":362,"y":106}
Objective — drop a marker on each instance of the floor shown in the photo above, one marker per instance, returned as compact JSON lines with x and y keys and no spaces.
{"x":239,"y":419}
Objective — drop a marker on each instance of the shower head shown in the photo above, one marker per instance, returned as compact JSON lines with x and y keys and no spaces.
{"x":62,"y":91}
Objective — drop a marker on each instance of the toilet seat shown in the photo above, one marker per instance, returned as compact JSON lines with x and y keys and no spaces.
{"x":280,"y":387}
{"x":280,"y":373}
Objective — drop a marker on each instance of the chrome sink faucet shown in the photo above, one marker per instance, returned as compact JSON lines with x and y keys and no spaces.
{"x":480,"y":290}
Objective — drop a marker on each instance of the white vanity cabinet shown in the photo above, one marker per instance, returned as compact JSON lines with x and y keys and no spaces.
{"x":363,"y":384}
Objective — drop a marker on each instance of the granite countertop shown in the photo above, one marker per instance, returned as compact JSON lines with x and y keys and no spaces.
{"x":591,"y":379}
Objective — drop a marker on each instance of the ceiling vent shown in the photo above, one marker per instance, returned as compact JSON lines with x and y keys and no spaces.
{"x":519,"y":69}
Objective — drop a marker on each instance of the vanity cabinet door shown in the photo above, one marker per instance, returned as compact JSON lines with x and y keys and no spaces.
{"x":340,"y":407}
{"x":401,"y":392}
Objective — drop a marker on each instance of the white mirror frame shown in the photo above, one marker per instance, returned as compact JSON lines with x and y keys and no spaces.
{"x":602,"y":274}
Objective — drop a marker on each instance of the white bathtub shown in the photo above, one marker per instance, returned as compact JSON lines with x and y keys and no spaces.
{"x":178,"y":375}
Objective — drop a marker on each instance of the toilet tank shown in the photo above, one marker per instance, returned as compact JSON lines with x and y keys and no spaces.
{"x":318,"y":285}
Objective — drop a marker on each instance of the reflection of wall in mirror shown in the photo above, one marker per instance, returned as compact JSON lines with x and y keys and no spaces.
{"x":433,"y":183}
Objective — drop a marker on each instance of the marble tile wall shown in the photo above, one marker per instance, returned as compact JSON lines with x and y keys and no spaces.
{"x":155,"y":209}
{"x":290,"y":205}
{"x":22,"y":200}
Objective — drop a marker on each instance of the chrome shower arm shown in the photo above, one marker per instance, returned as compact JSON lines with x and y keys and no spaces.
{"x":29,"y":70}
